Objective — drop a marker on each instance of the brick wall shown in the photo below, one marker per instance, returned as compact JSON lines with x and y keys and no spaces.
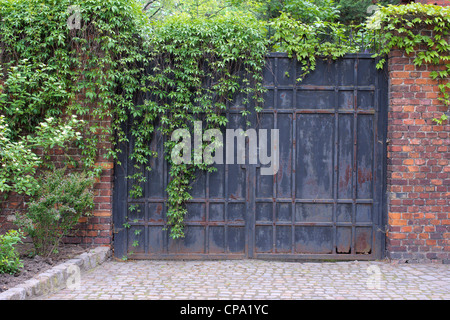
{"x":8,"y":207}
{"x":418,"y":165}
{"x":436,"y":2}
{"x":93,"y":230}
{"x":97,"y":229}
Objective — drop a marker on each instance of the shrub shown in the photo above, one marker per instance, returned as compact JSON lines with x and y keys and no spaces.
{"x":9,"y":257}
{"x":56,"y":208}
{"x":18,"y":158}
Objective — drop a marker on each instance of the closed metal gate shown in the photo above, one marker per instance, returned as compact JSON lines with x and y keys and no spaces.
{"x":327,"y":200}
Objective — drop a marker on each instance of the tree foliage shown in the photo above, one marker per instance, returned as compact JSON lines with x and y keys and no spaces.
{"x":357,"y":11}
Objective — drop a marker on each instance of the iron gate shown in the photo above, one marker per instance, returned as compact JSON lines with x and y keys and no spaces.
{"x":326,"y":200}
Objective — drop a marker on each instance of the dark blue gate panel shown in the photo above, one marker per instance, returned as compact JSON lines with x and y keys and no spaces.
{"x":284,"y":175}
{"x":343,"y":240}
{"x":283,"y":244}
{"x":314,"y":156}
{"x":314,"y":212}
{"x":326,"y":200}
{"x":313,"y":240}
{"x":365,"y":144}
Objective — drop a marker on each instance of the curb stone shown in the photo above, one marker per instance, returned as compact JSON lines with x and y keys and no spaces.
{"x":57,"y":277}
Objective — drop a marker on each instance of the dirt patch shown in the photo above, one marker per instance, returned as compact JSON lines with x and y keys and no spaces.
{"x":35,"y":265}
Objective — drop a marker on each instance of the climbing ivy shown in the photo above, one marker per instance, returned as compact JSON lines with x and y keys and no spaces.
{"x":415,"y":27}
{"x":186,"y":68}
{"x":51,"y":68}
{"x":95,"y":68}
{"x":198,"y":66}
{"x":322,"y":39}
{"x":420,"y":29}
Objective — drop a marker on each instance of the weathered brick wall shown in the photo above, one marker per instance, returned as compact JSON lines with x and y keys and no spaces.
{"x":436,"y":2}
{"x":93,"y":230}
{"x":97,"y":229}
{"x":418,"y":165}
{"x":8,"y":208}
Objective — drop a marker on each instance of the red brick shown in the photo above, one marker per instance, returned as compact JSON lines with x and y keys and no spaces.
{"x":420,"y":167}
{"x":413,"y":168}
{"x":397,"y":235}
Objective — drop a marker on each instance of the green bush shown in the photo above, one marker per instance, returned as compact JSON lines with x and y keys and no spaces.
{"x":9,"y":257}
{"x":18,"y":159}
{"x":56,"y":208}
{"x":28,"y":91}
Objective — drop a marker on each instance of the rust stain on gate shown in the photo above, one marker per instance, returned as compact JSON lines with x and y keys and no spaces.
{"x":326,"y":201}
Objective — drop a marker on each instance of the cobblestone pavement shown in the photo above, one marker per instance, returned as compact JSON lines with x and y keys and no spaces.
{"x":260,"y":280}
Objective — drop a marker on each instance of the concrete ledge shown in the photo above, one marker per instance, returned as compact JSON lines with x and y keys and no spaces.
{"x":58,"y":277}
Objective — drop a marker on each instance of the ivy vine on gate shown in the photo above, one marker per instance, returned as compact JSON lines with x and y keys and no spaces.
{"x":197,"y":67}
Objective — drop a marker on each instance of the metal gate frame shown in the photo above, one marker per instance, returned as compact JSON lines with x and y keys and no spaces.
{"x":380,"y":89}
{"x":245,"y":228}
